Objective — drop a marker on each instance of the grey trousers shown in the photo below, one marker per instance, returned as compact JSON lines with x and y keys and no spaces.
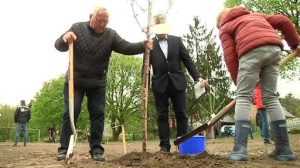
{"x":260,"y":63}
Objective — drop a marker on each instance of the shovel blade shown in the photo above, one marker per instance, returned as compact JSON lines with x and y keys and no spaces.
{"x":71,"y":146}
{"x":191,"y":134}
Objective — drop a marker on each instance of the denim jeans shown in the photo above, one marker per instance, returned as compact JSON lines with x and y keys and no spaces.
{"x":265,"y":123}
{"x":21,"y":127}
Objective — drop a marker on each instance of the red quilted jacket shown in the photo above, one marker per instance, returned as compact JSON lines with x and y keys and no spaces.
{"x":242,"y":31}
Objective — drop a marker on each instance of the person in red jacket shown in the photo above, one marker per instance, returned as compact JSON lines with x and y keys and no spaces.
{"x":252,"y":48}
{"x":262,"y":114}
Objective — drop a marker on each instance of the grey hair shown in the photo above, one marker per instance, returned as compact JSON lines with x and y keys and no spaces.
{"x":159,"y":18}
{"x":100,"y":9}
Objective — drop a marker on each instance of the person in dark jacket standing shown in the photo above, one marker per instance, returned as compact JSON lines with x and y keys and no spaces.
{"x":168,"y":80}
{"x":93,"y":44}
{"x":252,"y":49}
{"x":21,"y":118}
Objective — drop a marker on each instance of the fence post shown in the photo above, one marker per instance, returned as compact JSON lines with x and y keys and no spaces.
{"x":39,"y":136}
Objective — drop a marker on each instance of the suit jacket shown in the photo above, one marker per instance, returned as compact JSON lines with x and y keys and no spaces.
{"x":171,"y":67}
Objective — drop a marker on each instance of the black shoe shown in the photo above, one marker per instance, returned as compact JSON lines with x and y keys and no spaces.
{"x":98,"y":157}
{"x":266,"y":141}
{"x":165,"y":150}
{"x":61,"y":155}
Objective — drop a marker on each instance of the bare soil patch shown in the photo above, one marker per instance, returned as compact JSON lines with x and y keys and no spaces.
{"x":43,"y":155}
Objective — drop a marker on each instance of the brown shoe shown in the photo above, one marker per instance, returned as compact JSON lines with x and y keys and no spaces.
{"x":14,"y":145}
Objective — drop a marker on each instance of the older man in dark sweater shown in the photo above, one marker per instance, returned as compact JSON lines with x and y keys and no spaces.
{"x":93,"y":45}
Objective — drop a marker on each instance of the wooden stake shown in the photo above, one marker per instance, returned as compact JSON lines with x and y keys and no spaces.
{"x":124,"y":140}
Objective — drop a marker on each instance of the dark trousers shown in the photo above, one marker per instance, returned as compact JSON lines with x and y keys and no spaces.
{"x":178,"y":98}
{"x":52,"y":138}
{"x":96,"y":108}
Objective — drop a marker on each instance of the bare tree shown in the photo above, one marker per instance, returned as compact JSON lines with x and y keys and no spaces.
{"x":138,"y":11}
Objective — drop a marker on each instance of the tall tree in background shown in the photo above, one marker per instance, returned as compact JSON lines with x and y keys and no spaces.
{"x":7,"y":115}
{"x":290,"y":8}
{"x":48,"y":108}
{"x":123,"y":94}
{"x":6,"y":122}
{"x":291,"y":104}
{"x":201,"y":44}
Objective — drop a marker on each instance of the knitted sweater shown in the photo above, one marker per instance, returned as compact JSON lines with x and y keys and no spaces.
{"x":92,"y":53}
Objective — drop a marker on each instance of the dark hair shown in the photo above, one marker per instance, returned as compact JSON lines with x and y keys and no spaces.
{"x":22,"y":101}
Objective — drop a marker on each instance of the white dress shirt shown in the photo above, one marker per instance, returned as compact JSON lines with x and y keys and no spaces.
{"x":164,"y":45}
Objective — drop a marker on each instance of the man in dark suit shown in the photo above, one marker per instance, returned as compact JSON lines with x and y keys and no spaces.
{"x":168,"y":80}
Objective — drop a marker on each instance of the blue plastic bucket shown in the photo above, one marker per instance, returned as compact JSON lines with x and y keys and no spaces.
{"x":193,"y":146}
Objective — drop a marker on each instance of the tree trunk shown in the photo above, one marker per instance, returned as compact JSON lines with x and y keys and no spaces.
{"x":116,"y":133}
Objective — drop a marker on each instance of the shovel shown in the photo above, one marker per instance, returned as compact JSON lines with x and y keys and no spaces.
{"x":73,"y":137}
{"x":206,"y":125}
{"x":222,"y":113}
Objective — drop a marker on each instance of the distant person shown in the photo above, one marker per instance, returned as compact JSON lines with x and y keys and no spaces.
{"x":52,"y":134}
{"x":252,"y":48}
{"x":93,"y":45}
{"x":217,"y":129}
{"x":262,"y":116}
{"x":168,"y":81}
{"x":21,"y":118}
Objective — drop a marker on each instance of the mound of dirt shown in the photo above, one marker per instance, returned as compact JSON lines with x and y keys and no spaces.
{"x":162,"y":160}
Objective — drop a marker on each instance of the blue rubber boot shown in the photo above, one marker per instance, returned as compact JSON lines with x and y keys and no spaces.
{"x":282,"y":149}
{"x":242,"y":131}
